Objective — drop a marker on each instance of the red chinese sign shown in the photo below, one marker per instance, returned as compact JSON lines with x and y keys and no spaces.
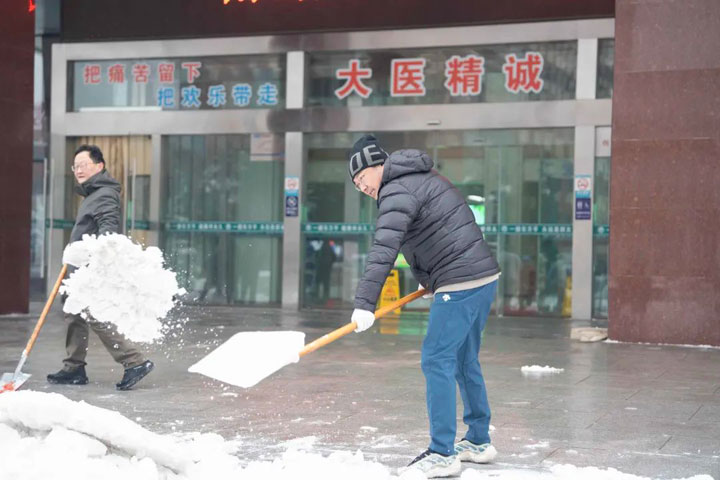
{"x":166,"y":72}
{"x":463,"y":75}
{"x":116,"y":73}
{"x":192,"y":69}
{"x":91,"y":74}
{"x":353,"y":76}
{"x":407,"y":77}
{"x":141,"y":72}
{"x":523,"y":75}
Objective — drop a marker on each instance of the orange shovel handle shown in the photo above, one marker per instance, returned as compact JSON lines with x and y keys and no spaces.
{"x":43,"y":315}
{"x":350,"y":327}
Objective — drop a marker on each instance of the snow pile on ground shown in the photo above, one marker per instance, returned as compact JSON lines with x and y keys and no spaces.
{"x":121,"y":283}
{"x":47,"y":436}
{"x":539,"y":369}
{"x":558,"y":472}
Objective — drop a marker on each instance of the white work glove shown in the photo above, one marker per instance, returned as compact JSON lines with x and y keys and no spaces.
{"x":363,"y":318}
{"x":428,"y":295}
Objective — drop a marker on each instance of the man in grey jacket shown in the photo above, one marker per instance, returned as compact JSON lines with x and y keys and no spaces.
{"x":423,"y":215}
{"x":99,"y":213}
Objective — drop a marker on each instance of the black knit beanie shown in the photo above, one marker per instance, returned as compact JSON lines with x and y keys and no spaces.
{"x":365,"y":153}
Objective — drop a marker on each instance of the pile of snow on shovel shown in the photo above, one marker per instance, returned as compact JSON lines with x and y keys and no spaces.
{"x":119,"y":282}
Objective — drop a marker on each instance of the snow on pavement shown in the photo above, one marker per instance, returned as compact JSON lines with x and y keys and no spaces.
{"x":121,"y":283}
{"x":559,"y":472}
{"x":537,"y":369}
{"x":46,"y":435}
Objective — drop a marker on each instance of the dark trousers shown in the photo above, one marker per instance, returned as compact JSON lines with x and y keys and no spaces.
{"x":122,"y":350}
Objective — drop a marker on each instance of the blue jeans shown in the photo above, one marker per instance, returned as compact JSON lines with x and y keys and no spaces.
{"x":450,"y":354}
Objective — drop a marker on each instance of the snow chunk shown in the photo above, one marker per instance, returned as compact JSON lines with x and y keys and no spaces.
{"x":539,"y":369}
{"x":121,"y":283}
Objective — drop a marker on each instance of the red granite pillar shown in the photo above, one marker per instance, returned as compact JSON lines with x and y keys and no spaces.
{"x":665,"y":179}
{"x":16,"y":140}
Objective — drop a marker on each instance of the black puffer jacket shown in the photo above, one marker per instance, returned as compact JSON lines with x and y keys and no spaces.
{"x":99,"y":212}
{"x":425,"y":216}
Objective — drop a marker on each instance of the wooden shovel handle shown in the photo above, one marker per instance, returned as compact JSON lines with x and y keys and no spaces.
{"x":350,"y":327}
{"x":43,"y":315}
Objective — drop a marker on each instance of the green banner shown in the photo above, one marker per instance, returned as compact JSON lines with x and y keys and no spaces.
{"x":338,"y":228}
{"x":329,"y":228}
{"x":527,"y":228}
{"x":601,"y":230}
{"x":60,"y":224}
{"x":226,"y":227}
{"x":503,"y":228}
{"x":139,"y":225}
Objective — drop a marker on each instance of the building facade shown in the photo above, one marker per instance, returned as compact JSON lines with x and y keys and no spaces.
{"x":232,"y":152}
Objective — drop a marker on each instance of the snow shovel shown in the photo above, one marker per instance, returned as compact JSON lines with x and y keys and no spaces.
{"x":249,"y":357}
{"x":13,"y":381}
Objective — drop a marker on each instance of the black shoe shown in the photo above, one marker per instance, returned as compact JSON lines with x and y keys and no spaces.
{"x":69,"y":377}
{"x":134,"y":374}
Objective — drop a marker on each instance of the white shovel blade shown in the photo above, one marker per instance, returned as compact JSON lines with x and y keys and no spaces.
{"x":8,"y":383}
{"x":248,"y":357}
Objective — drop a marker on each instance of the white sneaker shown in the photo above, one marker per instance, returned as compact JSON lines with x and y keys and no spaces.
{"x":467,"y":451}
{"x":434,"y":465}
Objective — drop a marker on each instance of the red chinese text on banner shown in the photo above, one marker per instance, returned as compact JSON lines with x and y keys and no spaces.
{"x":91,"y":74}
{"x":523,"y":75}
{"x":192,"y":69}
{"x":463,"y":75}
{"x":407,"y":78}
{"x":116,"y":73}
{"x":353,"y":76}
{"x":166,"y":72}
{"x":141,"y":72}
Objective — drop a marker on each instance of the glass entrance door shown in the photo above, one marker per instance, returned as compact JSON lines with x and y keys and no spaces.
{"x":518,"y":183}
{"x":127,"y":160}
{"x":222,"y":212}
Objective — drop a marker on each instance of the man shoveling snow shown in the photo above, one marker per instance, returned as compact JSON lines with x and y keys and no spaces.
{"x":424,"y":215}
{"x":105,"y":292}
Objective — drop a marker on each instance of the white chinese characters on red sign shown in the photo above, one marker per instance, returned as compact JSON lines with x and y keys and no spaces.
{"x":523,"y":74}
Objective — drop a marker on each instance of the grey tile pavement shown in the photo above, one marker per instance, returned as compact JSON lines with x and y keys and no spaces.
{"x":643,"y":409}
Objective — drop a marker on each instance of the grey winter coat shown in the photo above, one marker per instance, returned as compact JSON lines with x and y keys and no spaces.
{"x":99,"y":212}
{"x":423,"y":215}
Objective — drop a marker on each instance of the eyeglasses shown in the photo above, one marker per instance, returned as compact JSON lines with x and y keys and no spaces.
{"x":360,"y":182}
{"x":81,"y":166}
